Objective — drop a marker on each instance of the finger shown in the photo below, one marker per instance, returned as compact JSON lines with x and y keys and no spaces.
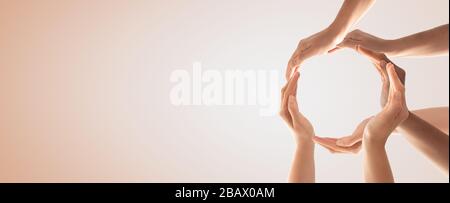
{"x":348,"y":43}
{"x":289,"y":69}
{"x":348,"y":141}
{"x":294,"y":110}
{"x":296,"y":83}
{"x":355,"y":137}
{"x":321,"y":141}
{"x":383,"y":71}
{"x":395,"y":82}
{"x":292,"y":85}
{"x":356,"y":148}
{"x":288,"y":89}
{"x":331,"y":144}
{"x":283,"y":90}
{"x":294,"y":65}
{"x":328,"y":142}
{"x":290,"y":66}
{"x":334,"y":50}
{"x":373,"y":56}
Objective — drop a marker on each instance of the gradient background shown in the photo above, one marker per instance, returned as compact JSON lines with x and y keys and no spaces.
{"x":84,"y":89}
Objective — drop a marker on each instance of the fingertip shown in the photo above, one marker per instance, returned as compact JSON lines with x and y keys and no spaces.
{"x":390,"y":65}
{"x":295,"y":76}
{"x":333,"y":50}
{"x":391,"y":69}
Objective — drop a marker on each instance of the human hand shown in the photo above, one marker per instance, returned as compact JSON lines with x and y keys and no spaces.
{"x":380,"y":61}
{"x":394,"y":112}
{"x":360,"y":38}
{"x":302,"y":128}
{"x":349,"y":144}
{"x":317,"y":44}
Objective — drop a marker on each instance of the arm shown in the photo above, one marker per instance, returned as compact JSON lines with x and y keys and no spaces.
{"x":436,"y":117}
{"x":376,"y":163}
{"x":302,"y":169}
{"x":432,"y":42}
{"x":322,"y":42}
{"x":350,"y":13}
{"x":427,"y":139}
{"x":378,"y":129}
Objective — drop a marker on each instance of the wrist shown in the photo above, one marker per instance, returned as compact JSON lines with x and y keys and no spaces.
{"x":405,"y":122}
{"x":374,"y":141}
{"x":337,"y":31}
{"x":393,"y":47}
{"x":304,"y":142}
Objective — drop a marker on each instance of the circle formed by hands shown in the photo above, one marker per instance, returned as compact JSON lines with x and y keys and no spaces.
{"x":376,"y":128}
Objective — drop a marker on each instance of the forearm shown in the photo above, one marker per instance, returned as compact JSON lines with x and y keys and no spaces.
{"x":351,"y":11}
{"x":303,"y":167}
{"x":432,"y":42}
{"x":376,"y":164}
{"x":428,"y":139}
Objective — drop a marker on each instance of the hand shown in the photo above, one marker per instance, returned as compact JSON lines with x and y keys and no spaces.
{"x":360,"y":38}
{"x":302,"y":128}
{"x":380,"y":62}
{"x":317,"y":44}
{"x":394,"y":113}
{"x":350,"y":144}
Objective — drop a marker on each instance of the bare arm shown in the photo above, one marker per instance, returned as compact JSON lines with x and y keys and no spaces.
{"x":438,"y":117}
{"x":378,"y":129}
{"x":376,"y":163}
{"x":302,"y":168}
{"x":432,"y":42}
{"x":351,"y":12}
{"x":427,"y":139}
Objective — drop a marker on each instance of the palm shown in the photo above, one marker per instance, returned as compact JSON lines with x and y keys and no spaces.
{"x":317,"y":44}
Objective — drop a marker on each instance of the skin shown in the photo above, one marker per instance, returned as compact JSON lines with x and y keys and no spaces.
{"x":379,"y":128}
{"x":327,"y":39}
{"x":433,"y":42}
{"x":303,"y":168}
{"x":426,"y":130}
{"x":427,"y":139}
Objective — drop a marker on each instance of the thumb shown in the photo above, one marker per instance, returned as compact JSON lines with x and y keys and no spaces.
{"x":348,"y":141}
{"x":293,"y":108}
{"x":334,"y":49}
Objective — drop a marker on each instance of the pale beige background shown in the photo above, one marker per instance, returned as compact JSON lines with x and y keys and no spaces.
{"x":84,"y":89}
